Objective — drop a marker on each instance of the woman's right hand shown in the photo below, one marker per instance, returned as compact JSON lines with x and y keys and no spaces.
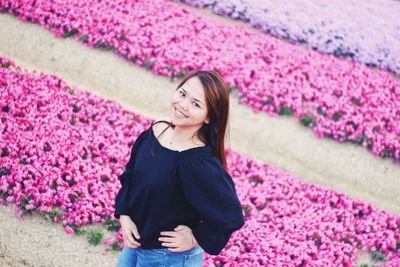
{"x":128,"y":228}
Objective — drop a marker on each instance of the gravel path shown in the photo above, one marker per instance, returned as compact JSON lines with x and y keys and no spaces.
{"x":34,"y":241}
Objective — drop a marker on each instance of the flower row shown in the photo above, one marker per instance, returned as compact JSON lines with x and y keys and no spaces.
{"x":338,"y":99}
{"x":62,"y":150}
{"x":341,"y":28}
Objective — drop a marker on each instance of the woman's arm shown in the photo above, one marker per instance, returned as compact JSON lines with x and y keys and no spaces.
{"x":209,"y":189}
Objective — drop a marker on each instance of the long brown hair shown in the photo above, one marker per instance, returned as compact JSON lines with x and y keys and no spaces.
{"x":217,"y":101}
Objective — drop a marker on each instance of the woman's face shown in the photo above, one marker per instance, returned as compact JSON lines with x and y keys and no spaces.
{"x":188,"y":105}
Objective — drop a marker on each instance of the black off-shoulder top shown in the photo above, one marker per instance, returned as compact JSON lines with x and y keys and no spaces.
{"x":166,"y":188}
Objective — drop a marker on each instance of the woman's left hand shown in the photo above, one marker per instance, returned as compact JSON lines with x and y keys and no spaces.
{"x":179,"y":240}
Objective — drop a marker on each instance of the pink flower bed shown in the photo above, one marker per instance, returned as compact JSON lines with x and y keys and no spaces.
{"x":62,"y":150}
{"x":336,"y":98}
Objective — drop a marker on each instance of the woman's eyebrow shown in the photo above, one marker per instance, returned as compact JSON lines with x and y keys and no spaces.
{"x":193,"y":98}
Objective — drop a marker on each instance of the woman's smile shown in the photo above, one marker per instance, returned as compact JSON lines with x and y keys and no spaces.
{"x":179,"y":114}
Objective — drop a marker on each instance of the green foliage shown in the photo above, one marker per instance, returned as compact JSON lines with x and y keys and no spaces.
{"x":25,"y":202}
{"x":378,"y":256}
{"x":54,"y":185}
{"x":4,"y":171}
{"x":121,"y":37}
{"x":23,"y":161}
{"x":317,"y":240}
{"x":6,"y":109}
{"x":285,"y":110}
{"x":356,"y":101}
{"x":307,"y":119}
{"x":268,"y":101}
{"x":246,"y":209}
{"x":104,"y":178}
{"x":5,"y":152}
{"x":112,"y":225}
{"x":84,"y":38}
{"x":385,"y":153}
{"x":69,"y":33}
{"x":337,"y":115}
{"x":76,"y":229}
{"x":321,"y":112}
{"x":55,"y":212}
{"x":181,"y":74}
{"x":103,"y":46}
{"x":115,"y":246}
{"x":75,"y":108}
{"x":72,"y":198}
{"x":95,"y":237}
{"x":361,"y":139}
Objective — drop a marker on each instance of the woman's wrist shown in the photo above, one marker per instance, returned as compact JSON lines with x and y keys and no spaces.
{"x":194,"y":241}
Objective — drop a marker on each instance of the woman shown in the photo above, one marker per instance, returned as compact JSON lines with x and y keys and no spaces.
{"x":177,"y":200}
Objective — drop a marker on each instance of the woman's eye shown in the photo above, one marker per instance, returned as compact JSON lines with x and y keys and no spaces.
{"x":182,"y":93}
{"x":197,"y":105}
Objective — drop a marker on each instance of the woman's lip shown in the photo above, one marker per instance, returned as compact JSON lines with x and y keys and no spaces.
{"x":180,"y":113}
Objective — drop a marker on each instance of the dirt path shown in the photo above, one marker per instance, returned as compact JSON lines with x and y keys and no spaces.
{"x":37,"y":242}
{"x":281,"y":141}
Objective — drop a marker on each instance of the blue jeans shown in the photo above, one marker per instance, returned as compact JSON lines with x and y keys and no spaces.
{"x":160,"y":257}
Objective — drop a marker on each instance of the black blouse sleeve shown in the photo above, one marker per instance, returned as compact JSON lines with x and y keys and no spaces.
{"x":124,"y":178}
{"x":209,"y":189}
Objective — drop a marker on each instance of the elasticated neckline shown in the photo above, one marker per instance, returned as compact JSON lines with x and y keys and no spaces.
{"x":186,"y":152}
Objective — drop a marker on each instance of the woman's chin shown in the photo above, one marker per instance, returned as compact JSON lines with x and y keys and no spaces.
{"x":177,"y":120}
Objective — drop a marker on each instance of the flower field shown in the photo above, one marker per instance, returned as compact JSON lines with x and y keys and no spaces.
{"x":344,"y":32}
{"x":63,"y":149}
{"x":336,"y":98}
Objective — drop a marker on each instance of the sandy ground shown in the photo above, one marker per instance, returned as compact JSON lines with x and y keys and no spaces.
{"x":281,"y":142}
{"x":37,"y":242}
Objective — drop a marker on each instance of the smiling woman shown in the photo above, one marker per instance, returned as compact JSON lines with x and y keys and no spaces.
{"x":177,"y":200}
{"x":188,"y":111}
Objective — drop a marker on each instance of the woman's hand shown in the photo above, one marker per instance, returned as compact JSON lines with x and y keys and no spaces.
{"x":179,"y":240}
{"x":128,"y":228}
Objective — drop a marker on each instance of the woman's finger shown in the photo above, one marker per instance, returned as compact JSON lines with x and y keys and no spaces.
{"x":128,"y":244}
{"x":132,"y":241}
{"x":168,"y":239}
{"x":169,"y":233}
{"x":134,"y":231}
{"x":181,"y":227}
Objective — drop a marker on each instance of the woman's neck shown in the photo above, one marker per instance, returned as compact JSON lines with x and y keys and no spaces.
{"x":180,"y":135}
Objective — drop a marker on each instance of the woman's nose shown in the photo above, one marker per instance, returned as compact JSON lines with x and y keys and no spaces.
{"x":184,"y":105}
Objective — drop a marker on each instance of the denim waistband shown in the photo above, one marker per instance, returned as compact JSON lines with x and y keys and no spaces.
{"x":191,"y":252}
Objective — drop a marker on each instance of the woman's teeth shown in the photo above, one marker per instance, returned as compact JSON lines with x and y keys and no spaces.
{"x":179,"y":113}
